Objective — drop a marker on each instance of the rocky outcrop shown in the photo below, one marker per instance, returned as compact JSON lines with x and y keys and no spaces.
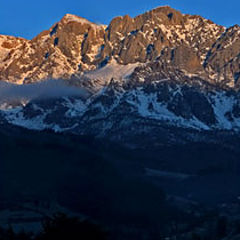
{"x":223,"y":59}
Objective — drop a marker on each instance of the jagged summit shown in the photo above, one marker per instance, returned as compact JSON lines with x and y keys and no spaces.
{"x":68,"y":18}
{"x":71,"y":17}
{"x":164,"y":10}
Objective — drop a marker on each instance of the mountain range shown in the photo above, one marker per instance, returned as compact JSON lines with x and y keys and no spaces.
{"x":147,"y":77}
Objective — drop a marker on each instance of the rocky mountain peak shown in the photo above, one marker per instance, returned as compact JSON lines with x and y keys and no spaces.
{"x":168,"y":15}
{"x":67,"y":47}
{"x":75,"y":45}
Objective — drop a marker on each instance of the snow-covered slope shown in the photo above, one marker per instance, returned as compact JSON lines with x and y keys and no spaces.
{"x":122,"y":111}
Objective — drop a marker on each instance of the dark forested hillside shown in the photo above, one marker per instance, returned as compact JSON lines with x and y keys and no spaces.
{"x":138,"y":191}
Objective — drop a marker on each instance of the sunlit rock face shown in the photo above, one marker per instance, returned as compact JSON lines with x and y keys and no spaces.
{"x":74,"y":45}
{"x":67,"y":47}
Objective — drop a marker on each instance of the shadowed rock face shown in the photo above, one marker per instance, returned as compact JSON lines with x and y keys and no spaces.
{"x":155,"y":111}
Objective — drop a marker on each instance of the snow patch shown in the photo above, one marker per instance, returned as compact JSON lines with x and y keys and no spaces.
{"x":112,"y":70}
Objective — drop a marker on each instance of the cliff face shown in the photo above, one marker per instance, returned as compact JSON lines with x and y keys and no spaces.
{"x":74,"y":45}
{"x":144,"y":37}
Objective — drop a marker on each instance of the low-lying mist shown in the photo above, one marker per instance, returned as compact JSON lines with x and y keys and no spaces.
{"x":40,"y":90}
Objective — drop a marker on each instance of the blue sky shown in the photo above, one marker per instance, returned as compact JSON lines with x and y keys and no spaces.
{"x":26,"y":18}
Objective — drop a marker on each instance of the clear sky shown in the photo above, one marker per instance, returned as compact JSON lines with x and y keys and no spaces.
{"x":26,"y":18}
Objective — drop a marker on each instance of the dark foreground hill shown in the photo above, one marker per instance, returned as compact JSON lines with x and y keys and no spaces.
{"x":133,"y":193}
